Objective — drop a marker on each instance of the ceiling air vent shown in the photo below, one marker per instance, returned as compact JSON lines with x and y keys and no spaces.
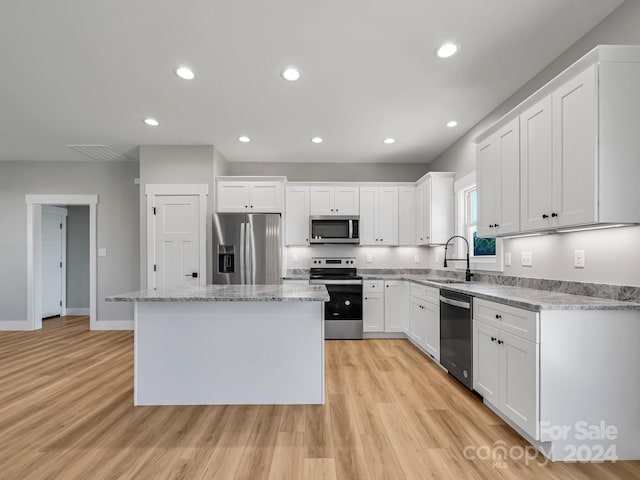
{"x":100,"y":152}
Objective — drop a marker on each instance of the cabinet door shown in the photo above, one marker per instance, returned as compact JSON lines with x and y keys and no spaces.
{"x":575,"y":150}
{"x":519,"y":382}
{"x":431,"y":314}
{"x":321,"y":200}
{"x":297,"y":216}
{"x":265,"y":197}
{"x":387,"y":210}
{"x":407,"y":216}
{"x":507,"y":218}
{"x":537,"y":166}
{"x":393,"y":306}
{"x":420,"y":200}
{"x":406,"y":306}
{"x":426,"y":222}
{"x":232,"y":197}
{"x":487,"y":186}
{"x":346,"y":200}
{"x":486,"y":362}
{"x":368,"y":216}
{"x":417,"y":325}
{"x":373,"y":312}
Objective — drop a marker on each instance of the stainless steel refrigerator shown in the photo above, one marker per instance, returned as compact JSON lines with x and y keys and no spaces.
{"x":247,"y":248}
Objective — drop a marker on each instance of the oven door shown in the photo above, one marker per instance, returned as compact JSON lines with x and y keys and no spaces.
{"x":329,"y":229}
{"x":343,"y":312}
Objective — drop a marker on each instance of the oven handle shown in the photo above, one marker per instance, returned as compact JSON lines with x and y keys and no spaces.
{"x":455,"y":303}
{"x":335,"y":282}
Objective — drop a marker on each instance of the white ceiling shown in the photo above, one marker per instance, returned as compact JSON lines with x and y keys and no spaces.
{"x":88,"y":72}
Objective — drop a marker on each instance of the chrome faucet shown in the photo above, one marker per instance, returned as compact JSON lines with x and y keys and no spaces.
{"x":468,"y":274}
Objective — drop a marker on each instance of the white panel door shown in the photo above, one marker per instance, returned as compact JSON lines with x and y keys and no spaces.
{"x":426,"y":225}
{"x":508,"y":172}
{"x":487,"y":186}
{"x":537,"y":166}
{"x":177,"y":240}
{"x":420,"y":205}
{"x":407,"y":216}
{"x":321,"y":200}
{"x":373,"y":312}
{"x":394,"y":306}
{"x":519,"y":385}
{"x":265,"y":197}
{"x":297,"y":216}
{"x":387,"y":215}
{"x":431,"y":340}
{"x":346,"y":200}
{"x":417,"y":321}
{"x":486,"y":362}
{"x":368,"y":228}
{"x":52,"y":263}
{"x":575,"y":150}
{"x":232,"y":197}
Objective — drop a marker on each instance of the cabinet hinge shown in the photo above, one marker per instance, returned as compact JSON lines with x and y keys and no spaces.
{"x":154,"y":268}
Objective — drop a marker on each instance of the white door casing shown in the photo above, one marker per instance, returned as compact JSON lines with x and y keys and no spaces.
{"x":176,"y":235}
{"x":54,"y":264}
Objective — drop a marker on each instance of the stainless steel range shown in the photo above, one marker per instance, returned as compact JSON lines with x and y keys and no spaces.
{"x":343,"y":312}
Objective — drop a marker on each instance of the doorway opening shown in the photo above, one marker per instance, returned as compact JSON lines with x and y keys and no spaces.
{"x":47,"y":281}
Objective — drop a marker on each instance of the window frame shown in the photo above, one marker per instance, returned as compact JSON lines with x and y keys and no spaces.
{"x":487,"y":263}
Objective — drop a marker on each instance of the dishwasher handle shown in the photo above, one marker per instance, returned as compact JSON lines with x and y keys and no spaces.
{"x":455,"y":303}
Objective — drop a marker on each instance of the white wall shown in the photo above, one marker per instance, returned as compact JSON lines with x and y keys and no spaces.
{"x":117,"y":224}
{"x":78,"y":256}
{"x":611,"y":257}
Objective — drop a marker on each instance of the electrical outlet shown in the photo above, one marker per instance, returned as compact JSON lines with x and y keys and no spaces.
{"x":295,"y":259}
{"x":527,"y":259}
{"x":416,"y":258}
{"x":578,"y":258}
{"x":102,"y":252}
{"x":369,"y":258}
{"x":507,"y":259}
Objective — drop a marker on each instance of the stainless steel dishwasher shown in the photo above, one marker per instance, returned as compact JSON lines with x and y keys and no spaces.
{"x":456,"y":336}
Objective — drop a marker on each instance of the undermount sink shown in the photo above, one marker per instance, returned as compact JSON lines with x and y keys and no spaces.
{"x":448,"y":280}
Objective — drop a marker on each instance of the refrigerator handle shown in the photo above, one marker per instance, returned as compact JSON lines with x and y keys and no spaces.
{"x":249,"y":255}
{"x":242,"y":252}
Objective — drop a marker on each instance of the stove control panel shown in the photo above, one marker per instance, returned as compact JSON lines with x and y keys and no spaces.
{"x":333,"y":262}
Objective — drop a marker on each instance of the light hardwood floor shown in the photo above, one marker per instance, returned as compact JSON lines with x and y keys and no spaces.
{"x":66,"y":412}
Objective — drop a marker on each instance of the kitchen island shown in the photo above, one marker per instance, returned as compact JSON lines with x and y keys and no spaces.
{"x":228,"y":344}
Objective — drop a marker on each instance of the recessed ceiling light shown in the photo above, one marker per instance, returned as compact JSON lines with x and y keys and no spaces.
{"x":317,"y":140}
{"x":452,"y":124}
{"x":244,"y":139}
{"x":185,"y":73}
{"x":152,"y":122}
{"x":447,"y":50}
{"x":291,"y":74}
{"x":389,"y":140}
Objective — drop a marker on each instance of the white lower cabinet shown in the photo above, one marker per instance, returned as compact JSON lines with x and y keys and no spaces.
{"x":506,"y":368}
{"x":424,"y":319}
{"x":373,"y":311}
{"x":394,"y":306}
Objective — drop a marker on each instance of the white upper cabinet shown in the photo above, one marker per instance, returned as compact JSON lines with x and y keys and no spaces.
{"x":378,"y":216}
{"x":239,"y":196}
{"x":435,"y":208}
{"x":335,"y":200}
{"x":297,"y":216}
{"x":498,"y":182}
{"x":578,"y":150}
{"x":407,"y":215}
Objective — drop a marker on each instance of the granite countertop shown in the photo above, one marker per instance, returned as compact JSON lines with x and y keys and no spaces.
{"x":228,"y":293}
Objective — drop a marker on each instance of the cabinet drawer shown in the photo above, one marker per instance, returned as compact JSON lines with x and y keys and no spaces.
{"x":430,"y":294}
{"x":518,"y":322}
{"x":373,"y":286}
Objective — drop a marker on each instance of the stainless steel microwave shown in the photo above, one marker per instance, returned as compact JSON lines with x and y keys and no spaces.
{"x":334,"y":229}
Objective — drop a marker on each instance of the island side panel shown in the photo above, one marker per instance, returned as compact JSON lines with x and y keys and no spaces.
{"x":205,"y":353}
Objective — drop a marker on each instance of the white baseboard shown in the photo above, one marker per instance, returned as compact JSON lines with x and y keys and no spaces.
{"x":384,"y":335}
{"x":77,"y":311}
{"x":15,"y":325}
{"x":112,"y":325}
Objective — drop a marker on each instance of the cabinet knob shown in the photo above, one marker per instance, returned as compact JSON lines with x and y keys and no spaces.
{"x":554,"y":215}
{"x":491,"y":225}
{"x":337,"y":210}
{"x":493,"y":339}
{"x":382,"y":239}
{"x":246,"y":206}
{"x":544,"y":215}
{"x":500,"y":342}
{"x":366,"y":298}
{"x":251,"y":206}
{"x":332,"y":209}
{"x":496,"y":225}
{"x":498,"y":317}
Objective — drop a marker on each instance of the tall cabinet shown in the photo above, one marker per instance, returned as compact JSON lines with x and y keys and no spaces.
{"x":435,"y":208}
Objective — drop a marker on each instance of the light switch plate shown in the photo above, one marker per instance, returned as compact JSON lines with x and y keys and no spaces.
{"x":578,"y":258}
{"x":102,"y":252}
{"x":369,"y":258}
{"x":527,"y":259}
{"x":416,"y":258}
{"x":507,"y":259}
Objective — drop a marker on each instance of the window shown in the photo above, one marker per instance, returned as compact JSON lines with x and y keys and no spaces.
{"x":481,"y":247}
{"x":485,"y":253}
